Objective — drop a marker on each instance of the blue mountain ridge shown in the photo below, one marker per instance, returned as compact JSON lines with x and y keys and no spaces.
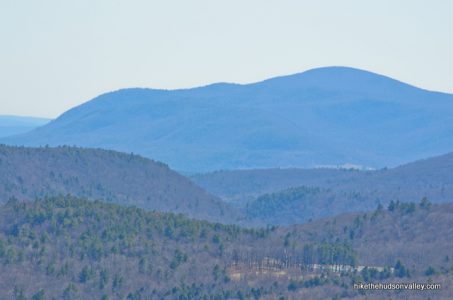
{"x":324,"y":116}
{"x":13,"y":125}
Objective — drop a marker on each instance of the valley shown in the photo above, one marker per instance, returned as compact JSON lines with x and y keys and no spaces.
{"x":233,"y":191}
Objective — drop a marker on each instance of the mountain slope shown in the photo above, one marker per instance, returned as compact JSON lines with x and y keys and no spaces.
{"x":289,"y":196}
{"x":240,"y":186}
{"x":69,"y":248}
{"x":325,"y":116}
{"x":398,"y":231}
{"x":127,"y":179}
{"x":432,"y":177}
{"x":12,"y":125}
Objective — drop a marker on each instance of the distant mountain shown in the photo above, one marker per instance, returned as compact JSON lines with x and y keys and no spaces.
{"x":127,"y":179}
{"x":325,"y":116}
{"x":69,"y":248}
{"x":240,"y":186}
{"x":289,"y":196}
{"x":12,"y":125}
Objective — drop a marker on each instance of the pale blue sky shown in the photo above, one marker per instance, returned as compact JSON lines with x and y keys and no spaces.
{"x":57,"y":54}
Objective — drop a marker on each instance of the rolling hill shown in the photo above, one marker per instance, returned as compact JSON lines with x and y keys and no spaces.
{"x":289,"y":196}
{"x":241,"y":186}
{"x":70,"y":248}
{"x":325,"y":116}
{"x":127,"y":179}
{"x":12,"y":125}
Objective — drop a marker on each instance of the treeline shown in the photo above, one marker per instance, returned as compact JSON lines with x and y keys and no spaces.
{"x":268,"y":205}
{"x":122,"y":178}
{"x":71,"y":248}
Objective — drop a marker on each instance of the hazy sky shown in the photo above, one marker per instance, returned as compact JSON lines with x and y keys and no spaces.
{"x":57,"y":54}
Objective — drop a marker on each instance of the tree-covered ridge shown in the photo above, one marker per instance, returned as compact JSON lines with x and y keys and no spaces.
{"x":294,"y":196}
{"x":303,"y":204}
{"x":71,"y":248}
{"x":127,"y":179}
{"x":97,"y":230}
{"x":94,"y":247}
{"x":78,"y":247}
{"x":272,"y":207}
{"x":419,"y":234}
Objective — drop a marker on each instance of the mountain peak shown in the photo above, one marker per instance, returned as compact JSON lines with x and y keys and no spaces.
{"x":340,"y":78}
{"x":324,"y":116}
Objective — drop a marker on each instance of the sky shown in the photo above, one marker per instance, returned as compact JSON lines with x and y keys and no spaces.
{"x":57,"y":54}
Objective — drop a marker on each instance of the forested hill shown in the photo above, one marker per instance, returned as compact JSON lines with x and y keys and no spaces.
{"x":293,"y":196}
{"x":69,"y":248}
{"x":243,"y":185}
{"x":303,"y":120}
{"x":127,"y":179}
{"x":432,"y":177}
